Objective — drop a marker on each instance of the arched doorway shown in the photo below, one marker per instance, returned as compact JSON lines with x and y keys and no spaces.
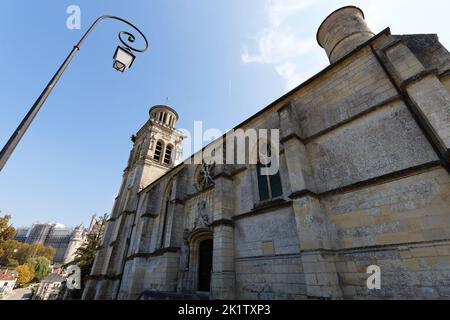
{"x":199,"y":259}
{"x":205,"y":265}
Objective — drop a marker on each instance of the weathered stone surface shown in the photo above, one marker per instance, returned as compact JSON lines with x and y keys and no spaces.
{"x":363,"y":183}
{"x":385,"y":141}
{"x":343,"y":31}
{"x":349,"y":89}
{"x":278,"y":226}
{"x":270,"y":278}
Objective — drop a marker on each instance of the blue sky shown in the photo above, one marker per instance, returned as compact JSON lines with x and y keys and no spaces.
{"x":216,"y":61}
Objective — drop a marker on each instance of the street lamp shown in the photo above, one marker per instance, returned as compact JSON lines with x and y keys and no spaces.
{"x":123,"y":59}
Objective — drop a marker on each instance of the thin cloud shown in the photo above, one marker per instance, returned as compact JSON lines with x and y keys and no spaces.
{"x":278,"y":44}
{"x":295,"y":58}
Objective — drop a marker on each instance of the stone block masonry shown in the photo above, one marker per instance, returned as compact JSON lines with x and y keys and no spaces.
{"x":364,"y":180}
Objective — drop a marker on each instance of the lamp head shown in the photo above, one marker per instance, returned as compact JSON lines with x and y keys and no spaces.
{"x":123,"y":59}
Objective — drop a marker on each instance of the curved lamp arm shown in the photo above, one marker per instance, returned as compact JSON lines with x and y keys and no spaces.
{"x":8,"y":149}
{"x":131,"y":37}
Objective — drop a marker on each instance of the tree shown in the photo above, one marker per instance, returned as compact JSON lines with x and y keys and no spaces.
{"x":26,"y":274}
{"x":9,"y":248}
{"x":7,"y":232}
{"x":22,"y":252}
{"x":41,"y":267}
{"x":12,"y":263}
{"x":85,"y":254}
{"x":39,"y":250}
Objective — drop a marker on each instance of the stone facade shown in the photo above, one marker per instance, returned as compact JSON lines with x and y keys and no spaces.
{"x":364,"y":171}
{"x":52,"y":287}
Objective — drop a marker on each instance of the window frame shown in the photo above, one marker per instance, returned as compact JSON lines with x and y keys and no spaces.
{"x":269,"y":181}
{"x":158,"y":157}
{"x":169,"y":160}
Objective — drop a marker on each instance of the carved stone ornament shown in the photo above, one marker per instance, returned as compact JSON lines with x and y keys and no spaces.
{"x":204,"y":178}
{"x":185,"y":252}
{"x":202,"y":220}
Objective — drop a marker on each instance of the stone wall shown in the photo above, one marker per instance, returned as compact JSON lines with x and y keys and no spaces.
{"x":364,"y":168}
{"x":349,"y":89}
{"x":270,"y":277}
{"x":267,"y":257}
{"x":414,"y":271}
{"x":277,"y":227}
{"x":384,"y":141}
{"x":401,"y":226}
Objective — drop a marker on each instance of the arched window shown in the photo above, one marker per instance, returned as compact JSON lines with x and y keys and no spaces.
{"x":168,"y":154}
{"x":269,"y":186}
{"x":164,"y":118}
{"x":158,"y":151}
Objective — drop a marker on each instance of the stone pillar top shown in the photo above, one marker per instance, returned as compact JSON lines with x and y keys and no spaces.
{"x":164,"y":115}
{"x":343,"y":31}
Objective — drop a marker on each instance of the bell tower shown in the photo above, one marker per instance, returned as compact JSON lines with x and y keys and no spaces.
{"x":157,"y":148}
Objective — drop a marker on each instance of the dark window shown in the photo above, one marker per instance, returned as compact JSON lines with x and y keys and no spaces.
{"x":275,"y":185}
{"x":269,"y":186}
{"x":168,"y":154}
{"x":263,"y":186}
{"x":158,"y":151}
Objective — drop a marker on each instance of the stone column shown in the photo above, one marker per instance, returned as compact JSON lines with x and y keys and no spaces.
{"x":177,"y":224}
{"x":183,"y":269}
{"x":103,"y":290}
{"x":299,"y":168}
{"x":133,"y":282}
{"x":428,"y":96}
{"x":313,"y":229}
{"x":133,"y":279}
{"x":100,"y":263}
{"x":89,"y":290}
{"x":321,"y":277}
{"x":223,"y":276}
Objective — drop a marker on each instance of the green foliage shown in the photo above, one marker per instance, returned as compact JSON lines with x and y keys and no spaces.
{"x":39,"y":250}
{"x":41,"y":267}
{"x":12,"y":263}
{"x":22,"y":252}
{"x":7,"y":232}
{"x":9,"y":249}
{"x":85,"y":254}
{"x":26,"y":274}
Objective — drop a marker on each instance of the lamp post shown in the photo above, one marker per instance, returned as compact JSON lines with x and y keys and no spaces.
{"x":123,"y":59}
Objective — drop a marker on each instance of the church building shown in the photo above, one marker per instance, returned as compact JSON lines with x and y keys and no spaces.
{"x":363,"y":184}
